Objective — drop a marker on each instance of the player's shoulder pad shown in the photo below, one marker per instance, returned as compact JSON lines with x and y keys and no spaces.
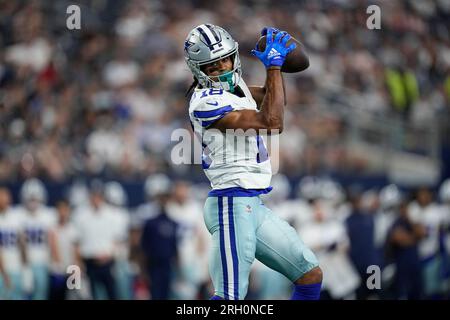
{"x":209,"y":105}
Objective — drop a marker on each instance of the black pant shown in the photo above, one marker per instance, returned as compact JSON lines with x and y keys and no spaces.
{"x":100,"y":273}
{"x":58,"y":286}
{"x":408,"y":282}
{"x":160,"y":280}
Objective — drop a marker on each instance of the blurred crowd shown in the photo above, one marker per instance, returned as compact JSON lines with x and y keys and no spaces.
{"x":379,"y":243}
{"x":92,"y":245}
{"x":104,"y":99}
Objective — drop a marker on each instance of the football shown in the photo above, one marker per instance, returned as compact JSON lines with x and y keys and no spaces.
{"x":296,"y":60}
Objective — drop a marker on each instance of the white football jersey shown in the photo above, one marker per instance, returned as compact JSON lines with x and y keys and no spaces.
{"x":36,"y":228}
{"x":229,"y":160}
{"x":11,"y":224}
{"x":431,"y":218}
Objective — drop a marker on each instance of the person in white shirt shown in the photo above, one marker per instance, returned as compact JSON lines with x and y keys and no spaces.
{"x":308,"y":191}
{"x":11,"y":249}
{"x":327,"y":236}
{"x":97,"y":241}
{"x":38,"y":219}
{"x":62,"y":239}
{"x":444,"y":195}
{"x":390,"y":198}
{"x":115,"y":196}
{"x":333,"y":197}
{"x":193,"y":242}
{"x":426,"y":212}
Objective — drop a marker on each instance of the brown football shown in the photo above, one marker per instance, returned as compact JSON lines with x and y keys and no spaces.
{"x":296,"y":60}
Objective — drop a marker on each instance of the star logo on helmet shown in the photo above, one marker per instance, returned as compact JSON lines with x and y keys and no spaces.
{"x":187,"y":45}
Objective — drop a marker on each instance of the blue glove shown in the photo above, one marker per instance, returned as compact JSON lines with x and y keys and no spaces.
{"x":276,"y":51}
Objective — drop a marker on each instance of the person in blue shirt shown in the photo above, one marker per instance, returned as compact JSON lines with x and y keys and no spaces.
{"x":159,"y":245}
{"x":360,"y":229}
{"x":403,"y":239}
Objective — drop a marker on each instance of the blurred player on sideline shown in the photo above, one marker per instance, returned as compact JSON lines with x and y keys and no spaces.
{"x":12,"y":247}
{"x":115,"y":195}
{"x":444,"y":195}
{"x":38,"y":220}
{"x":426,"y":212}
{"x":192,"y":239}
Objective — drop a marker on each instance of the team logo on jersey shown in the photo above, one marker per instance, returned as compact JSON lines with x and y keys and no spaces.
{"x":248,"y":209}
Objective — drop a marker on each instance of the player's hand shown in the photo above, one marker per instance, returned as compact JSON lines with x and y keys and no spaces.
{"x":275,"y":52}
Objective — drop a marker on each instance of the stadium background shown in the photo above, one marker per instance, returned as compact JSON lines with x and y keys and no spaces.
{"x":371,"y":110}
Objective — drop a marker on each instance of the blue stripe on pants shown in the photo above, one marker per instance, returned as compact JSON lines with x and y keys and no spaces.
{"x":233,"y":249}
{"x":222,"y":248}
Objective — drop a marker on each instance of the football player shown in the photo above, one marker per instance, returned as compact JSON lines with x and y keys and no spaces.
{"x":116,"y":196}
{"x":242,"y":228}
{"x":12,"y":249}
{"x":38,"y":220}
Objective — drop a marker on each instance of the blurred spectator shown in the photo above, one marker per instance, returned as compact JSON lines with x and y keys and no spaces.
{"x":154,"y":186}
{"x":403,"y":239}
{"x":12,"y":247}
{"x":360,"y":227}
{"x":159,"y":242}
{"x":132,"y":81}
{"x":327,"y":237}
{"x":115,"y":195}
{"x":98,"y":238}
{"x":390,"y":199}
{"x":62,"y":240}
{"x":444,"y":195}
{"x":425,"y":211}
{"x":192,"y":242}
{"x":403,"y":90}
{"x":38,"y":220}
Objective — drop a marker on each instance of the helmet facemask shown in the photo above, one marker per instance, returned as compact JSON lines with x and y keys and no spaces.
{"x":226,"y":81}
{"x":195,"y":47}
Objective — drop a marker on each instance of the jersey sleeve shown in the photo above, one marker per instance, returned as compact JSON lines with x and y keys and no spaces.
{"x":208,"y":110}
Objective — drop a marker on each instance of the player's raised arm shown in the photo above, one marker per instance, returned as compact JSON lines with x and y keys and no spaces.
{"x":297,"y":61}
{"x":271,"y":113}
{"x":258,"y":92}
